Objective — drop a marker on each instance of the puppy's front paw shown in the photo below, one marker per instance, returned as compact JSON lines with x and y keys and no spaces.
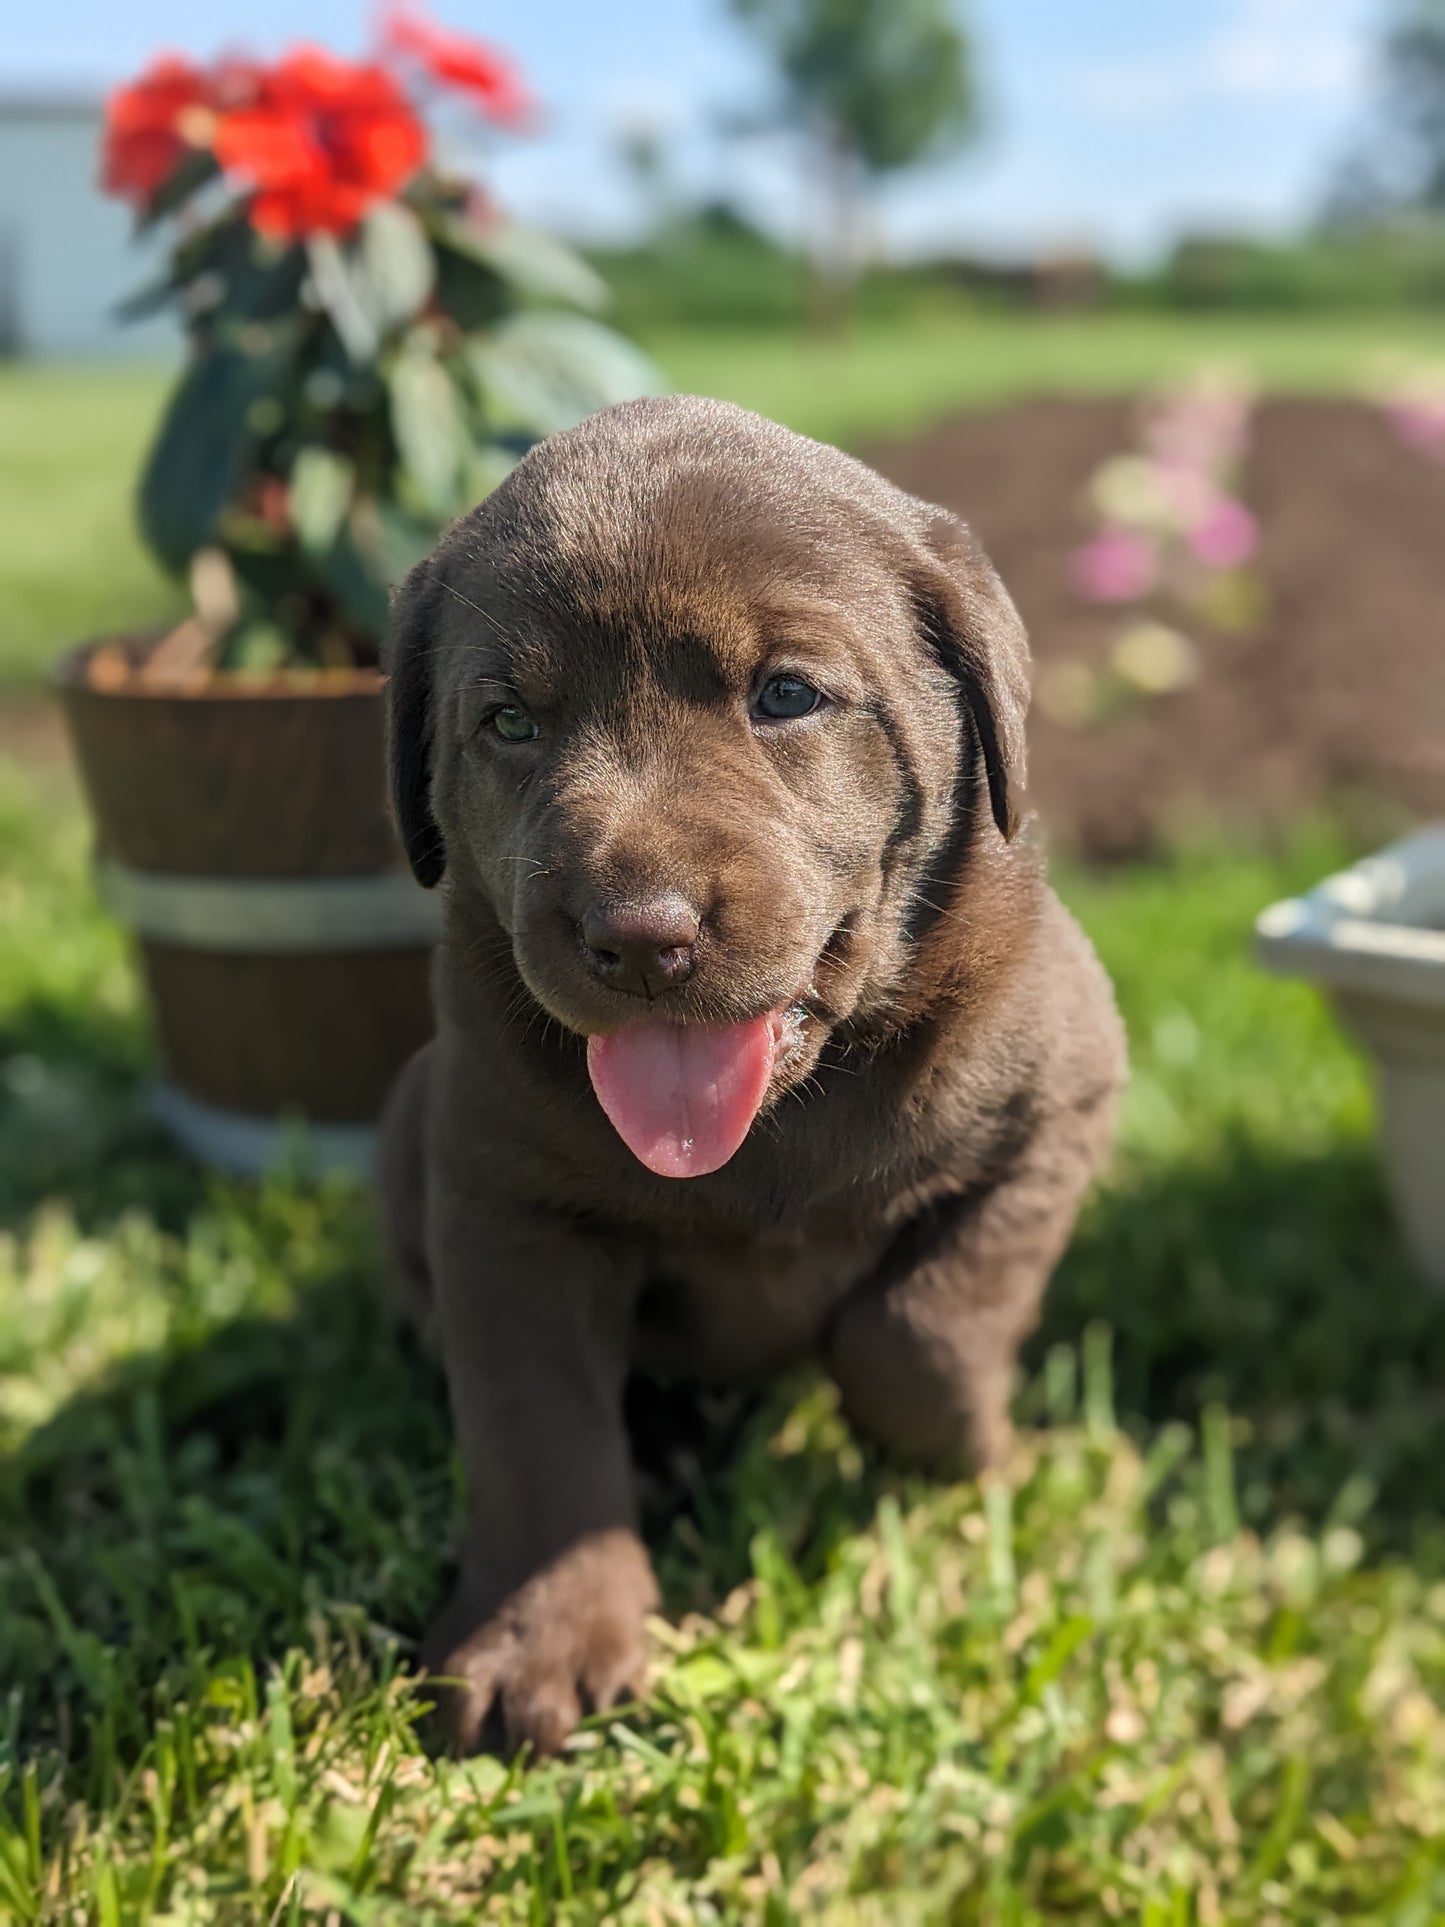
{"x":569,"y":1641}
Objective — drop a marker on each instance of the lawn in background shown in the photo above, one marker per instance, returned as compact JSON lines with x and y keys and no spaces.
{"x":1188,"y":1669}
{"x":71,"y":563}
{"x":71,"y":438}
{"x":889,"y":379}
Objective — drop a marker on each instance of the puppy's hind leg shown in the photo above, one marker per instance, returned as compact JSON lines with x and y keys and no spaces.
{"x":401,"y":1192}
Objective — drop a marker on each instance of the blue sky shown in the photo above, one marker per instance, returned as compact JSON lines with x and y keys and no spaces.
{"x":1111,"y":123}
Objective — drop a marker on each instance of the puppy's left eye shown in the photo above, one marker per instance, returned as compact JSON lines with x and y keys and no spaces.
{"x":782,"y":698}
{"x":512,"y":723}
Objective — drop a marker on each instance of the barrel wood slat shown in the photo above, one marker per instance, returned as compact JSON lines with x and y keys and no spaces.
{"x":242,"y":833}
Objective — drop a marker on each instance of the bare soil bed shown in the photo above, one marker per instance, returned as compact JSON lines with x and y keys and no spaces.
{"x":1337,"y":691}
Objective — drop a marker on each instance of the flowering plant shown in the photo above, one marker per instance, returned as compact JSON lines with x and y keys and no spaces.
{"x":372,"y":345}
{"x":1414,"y":405}
{"x":1171,"y":533}
{"x":1169,"y":519}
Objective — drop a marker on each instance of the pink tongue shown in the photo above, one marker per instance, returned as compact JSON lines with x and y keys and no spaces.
{"x":682,"y":1098}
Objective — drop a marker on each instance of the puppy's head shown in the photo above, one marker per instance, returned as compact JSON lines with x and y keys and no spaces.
{"x":711,"y":716}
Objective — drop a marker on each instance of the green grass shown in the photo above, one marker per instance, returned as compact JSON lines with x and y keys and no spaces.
{"x":71,"y":439}
{"x":71,"y":564}
{"x":1189,"y":1667}
{"x":890,"y":378}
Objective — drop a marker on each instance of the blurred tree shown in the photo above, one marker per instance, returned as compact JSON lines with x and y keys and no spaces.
{"x":644,"y":147}
{"x":874,"y":86}
{"x":1401,"y":165}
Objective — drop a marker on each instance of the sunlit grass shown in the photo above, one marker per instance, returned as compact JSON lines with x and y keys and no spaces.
{"x":1189,"y":1666}
{"x":71,"y":563}
{"x":887,"y":379}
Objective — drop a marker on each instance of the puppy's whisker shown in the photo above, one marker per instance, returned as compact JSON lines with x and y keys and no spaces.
{"x":938,"y":909}
{"x":475,"y":607}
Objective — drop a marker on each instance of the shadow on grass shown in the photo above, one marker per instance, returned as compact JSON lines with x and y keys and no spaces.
{"x":1277,"y":1287}
{"x":70,"y":1126}
{"x":210,"y":1499}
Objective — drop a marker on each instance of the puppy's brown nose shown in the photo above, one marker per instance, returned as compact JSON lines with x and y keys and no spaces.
{"x":643,"y":948}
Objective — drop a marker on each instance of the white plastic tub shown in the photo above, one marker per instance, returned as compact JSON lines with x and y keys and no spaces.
{"x":1374,"y":938}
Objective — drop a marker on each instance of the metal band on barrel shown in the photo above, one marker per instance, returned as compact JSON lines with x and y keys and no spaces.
{"x":388,"y":910}
{"x":257,"y":1147}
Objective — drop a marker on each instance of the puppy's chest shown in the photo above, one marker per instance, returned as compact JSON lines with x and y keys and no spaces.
{"x":739,"y":1311}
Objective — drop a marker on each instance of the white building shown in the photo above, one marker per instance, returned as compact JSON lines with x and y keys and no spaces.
{"x":67,"y":253}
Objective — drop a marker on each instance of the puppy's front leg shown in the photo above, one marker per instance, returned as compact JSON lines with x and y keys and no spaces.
{"x":547,"y":1621}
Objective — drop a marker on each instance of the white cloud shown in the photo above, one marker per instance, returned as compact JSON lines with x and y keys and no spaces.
{"x":1290,"y":47}
{"x":1270,"y":50}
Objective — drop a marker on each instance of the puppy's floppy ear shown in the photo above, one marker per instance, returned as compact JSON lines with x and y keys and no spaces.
{"x":974,"y":630}
{"x":411,"y":721}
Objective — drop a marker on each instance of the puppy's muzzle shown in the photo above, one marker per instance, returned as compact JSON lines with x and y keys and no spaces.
{"x":642,"y":948}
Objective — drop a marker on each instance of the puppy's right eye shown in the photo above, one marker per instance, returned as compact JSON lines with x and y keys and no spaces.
{"x":785,"y":698}
{"x":512,"y":723}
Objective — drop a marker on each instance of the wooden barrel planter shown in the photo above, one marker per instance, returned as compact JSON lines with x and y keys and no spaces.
{"x":242,"y":834}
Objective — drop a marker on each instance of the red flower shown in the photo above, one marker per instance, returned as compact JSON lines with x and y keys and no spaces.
{"x":143,"y":141}
{"x":322,"y":140}
{"x":493,"y":81}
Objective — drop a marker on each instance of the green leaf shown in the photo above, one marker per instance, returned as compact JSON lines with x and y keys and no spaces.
{"x":206,"y":444}
{"x":702,"y":1677}
{"x":335,"y":288}
{"x":533,"y":263}
{"x":470,"y":292}
{"x":320,"y":494}
{"x":268,"y":577}
{"x":256,"y":648}
{"x":487,"y":466}
{"x":391,"y":266}
{"x":427,"y":423}
{"x":227,"y":271}
{"x":230,"y":273}
{"x":400,"y":541}
{"x":187,"y":178}
{"x":147,"y":300}
{"x":336,"y":1834}
{"x":355,"y":570}
{"x":543,"y":372}
{"x":376,"y":283}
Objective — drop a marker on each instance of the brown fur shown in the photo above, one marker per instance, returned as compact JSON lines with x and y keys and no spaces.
{"x":897,"y":1208}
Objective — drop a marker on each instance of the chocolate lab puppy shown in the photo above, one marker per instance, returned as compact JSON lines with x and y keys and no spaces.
{"x":760,"y":1036}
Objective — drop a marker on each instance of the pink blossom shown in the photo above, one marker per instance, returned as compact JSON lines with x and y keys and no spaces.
{"x":1116,"y":566}
{"x":1201,"y":429}
{"x":1187,"y":492}
{"x":1419,"y":420}
{"x":1226,"y":536}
